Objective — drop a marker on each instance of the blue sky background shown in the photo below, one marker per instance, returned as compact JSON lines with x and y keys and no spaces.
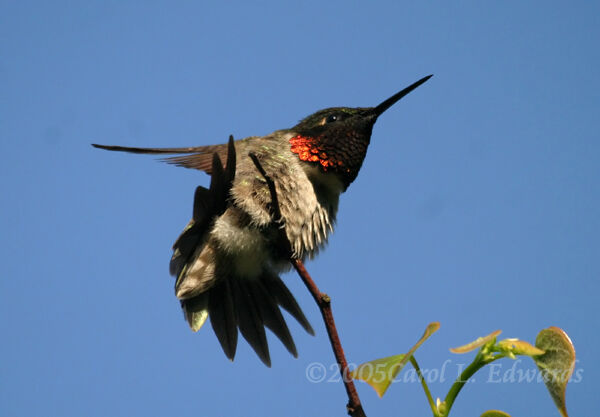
{"x":477,"y":205}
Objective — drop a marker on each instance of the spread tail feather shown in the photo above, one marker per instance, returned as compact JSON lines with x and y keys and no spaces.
{"x":249,"y":305}
{"x":250,"y":321}
{"x":285,"y":299}
{"x":223,"y":317}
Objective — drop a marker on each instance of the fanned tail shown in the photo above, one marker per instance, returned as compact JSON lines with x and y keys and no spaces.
{"x":250,"y":306}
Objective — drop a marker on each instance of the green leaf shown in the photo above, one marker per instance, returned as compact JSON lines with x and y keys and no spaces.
{"x":557,"y":364}
{"x":380,"y":373}
{"x":495,"y":413}
{"x":518,"y":347}
{"x":480,"y":341}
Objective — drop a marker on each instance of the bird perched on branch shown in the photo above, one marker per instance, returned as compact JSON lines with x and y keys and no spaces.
{"x":228,"y":259}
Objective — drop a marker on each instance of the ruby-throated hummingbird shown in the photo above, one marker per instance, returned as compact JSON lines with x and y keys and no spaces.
{"x":228,"y":259}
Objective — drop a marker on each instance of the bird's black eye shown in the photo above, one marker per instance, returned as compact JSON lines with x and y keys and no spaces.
{"x":332,"y":118}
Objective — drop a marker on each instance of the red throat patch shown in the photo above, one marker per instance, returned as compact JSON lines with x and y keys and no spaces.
{"x":308,"y":150}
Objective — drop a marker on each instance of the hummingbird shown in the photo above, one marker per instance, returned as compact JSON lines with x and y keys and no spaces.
{"x":228,"y":259}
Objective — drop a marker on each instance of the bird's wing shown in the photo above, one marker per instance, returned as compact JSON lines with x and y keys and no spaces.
{"x":199,"y":157}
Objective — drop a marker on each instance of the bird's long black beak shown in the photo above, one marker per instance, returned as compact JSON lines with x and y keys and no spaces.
{"x":393,"y":99}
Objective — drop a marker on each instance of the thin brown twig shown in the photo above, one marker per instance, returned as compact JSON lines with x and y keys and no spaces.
{"x":323,"y":300}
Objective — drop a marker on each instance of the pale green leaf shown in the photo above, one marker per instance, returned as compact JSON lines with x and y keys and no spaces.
{"x":519,"y":347}
{"x":495,"y":413}
{"x":480,"y":341}
{"x":557,"y":364}
{"x":380,"y":373}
